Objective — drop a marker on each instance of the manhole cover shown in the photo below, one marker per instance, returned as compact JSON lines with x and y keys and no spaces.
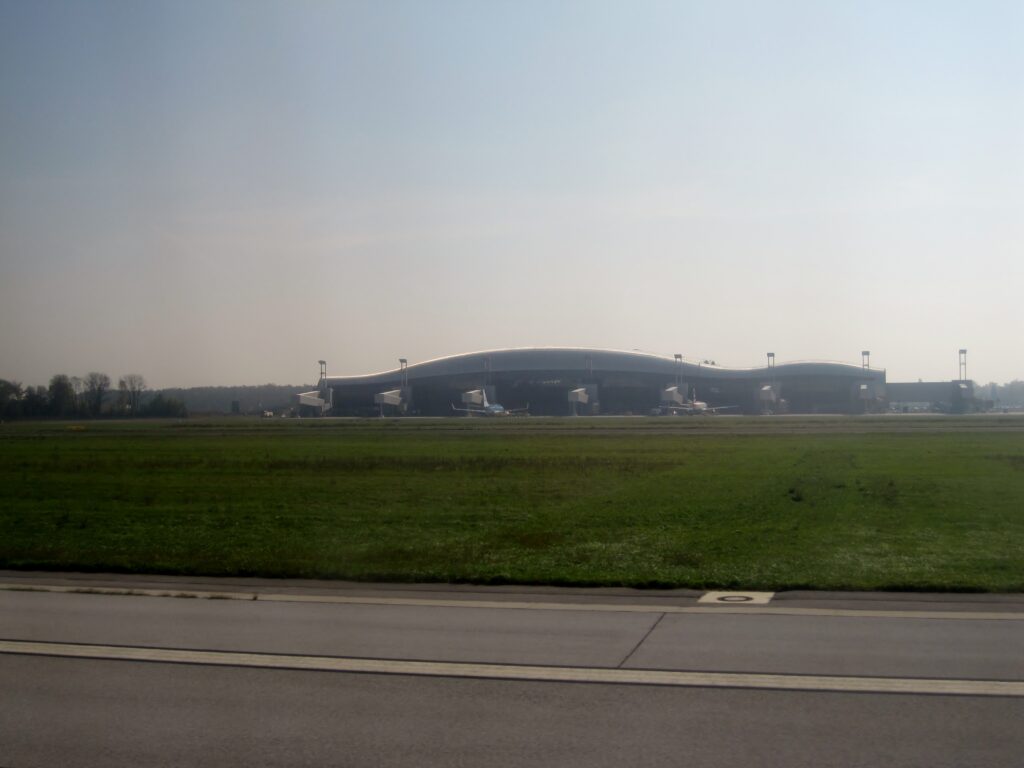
{"x":733,"y":598}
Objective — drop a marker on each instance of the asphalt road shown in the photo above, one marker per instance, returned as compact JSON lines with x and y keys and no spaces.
{"x":248,"y":681}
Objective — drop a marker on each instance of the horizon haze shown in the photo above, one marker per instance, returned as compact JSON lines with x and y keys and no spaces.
{"x":224,"y":192}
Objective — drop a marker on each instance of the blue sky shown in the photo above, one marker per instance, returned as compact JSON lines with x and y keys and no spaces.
{"x":226,"y":192}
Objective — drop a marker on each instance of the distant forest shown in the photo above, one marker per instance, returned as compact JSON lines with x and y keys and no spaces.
{"x":1002,"y":395}
{"x":249,"y":399}
{"x":95,"y":396}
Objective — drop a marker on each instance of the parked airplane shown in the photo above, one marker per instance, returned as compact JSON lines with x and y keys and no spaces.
{"x":693,"y":408}
{"x":677,"y":405}
{"x":485,"y":408}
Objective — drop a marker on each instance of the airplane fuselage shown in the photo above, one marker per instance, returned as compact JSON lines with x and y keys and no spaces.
{"x":689,"y":408}
{"x":486,"y":408}
{"x":491,"y":409}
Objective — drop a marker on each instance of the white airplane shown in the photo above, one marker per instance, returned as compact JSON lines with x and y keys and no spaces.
{"x":688,"y":407}
{"x":485,"y":408}
{"x":694,"y":408}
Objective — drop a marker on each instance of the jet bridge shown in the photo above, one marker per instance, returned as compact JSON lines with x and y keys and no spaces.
{"x":314,"y":403}
{"x":585,"y":396}
{"x":392,"y":398}
{"x":479,"y":397}
{"x":672,"y":396}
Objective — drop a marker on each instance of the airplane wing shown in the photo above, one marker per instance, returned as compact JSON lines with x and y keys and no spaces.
{"x":518,"y":410}
{"x":467,"y":410}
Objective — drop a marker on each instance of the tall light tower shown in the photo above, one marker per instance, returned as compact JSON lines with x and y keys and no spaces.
{"x":403,"y":367}
{"x":679,"y":370}
{"x":963,"y":365}
{"x":865,"y":359}
{"x":323,"y":370}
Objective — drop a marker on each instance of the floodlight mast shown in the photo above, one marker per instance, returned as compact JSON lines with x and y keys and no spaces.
{"x":323,"y":370}
{"x":963,"y":365}
{"x":865,"y":359}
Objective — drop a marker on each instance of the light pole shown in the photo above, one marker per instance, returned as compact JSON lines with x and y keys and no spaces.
{"x":865,"y":359}
{"x":963,"y":365}
{"x":403,"y":396}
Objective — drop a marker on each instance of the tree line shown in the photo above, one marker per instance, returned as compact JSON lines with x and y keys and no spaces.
{"x":86,"y":397}
{"x":242,"y":399}
{"x":94,"y":396}
{"x":1003,"y":395}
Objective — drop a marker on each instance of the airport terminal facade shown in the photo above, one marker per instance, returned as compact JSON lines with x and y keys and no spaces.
{"x":563,"y":381}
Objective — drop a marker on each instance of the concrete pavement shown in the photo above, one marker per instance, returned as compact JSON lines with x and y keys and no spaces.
{"x":212,"y":710}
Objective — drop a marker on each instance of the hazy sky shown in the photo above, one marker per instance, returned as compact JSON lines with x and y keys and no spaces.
{"x":225,"y":192}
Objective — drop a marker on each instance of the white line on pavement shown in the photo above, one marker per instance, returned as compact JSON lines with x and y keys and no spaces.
{"x":775,"y":609}
{"x":884,"y":685}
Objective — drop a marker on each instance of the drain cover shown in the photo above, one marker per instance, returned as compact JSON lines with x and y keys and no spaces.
{"x":737,"y":598}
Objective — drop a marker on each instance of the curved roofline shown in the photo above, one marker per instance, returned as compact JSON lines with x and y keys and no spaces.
{"x":670,"y":359}
{"x":443,"y":358}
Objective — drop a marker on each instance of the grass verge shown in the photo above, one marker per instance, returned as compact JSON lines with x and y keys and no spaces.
{"x":918,"y":504}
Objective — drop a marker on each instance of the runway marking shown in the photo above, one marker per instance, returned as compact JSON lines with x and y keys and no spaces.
{"x":746,"y":608}
{"x":612,"y":676}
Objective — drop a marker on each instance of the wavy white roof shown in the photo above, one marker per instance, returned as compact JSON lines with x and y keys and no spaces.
{"x":582,"y":359}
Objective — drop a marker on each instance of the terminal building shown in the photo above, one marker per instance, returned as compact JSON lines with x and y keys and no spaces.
{"x":560,"y":381}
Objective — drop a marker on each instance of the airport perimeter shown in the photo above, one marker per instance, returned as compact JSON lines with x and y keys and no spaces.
{"x":892,"y":502}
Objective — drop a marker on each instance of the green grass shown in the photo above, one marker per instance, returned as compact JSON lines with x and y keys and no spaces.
{"x":842,"y":503}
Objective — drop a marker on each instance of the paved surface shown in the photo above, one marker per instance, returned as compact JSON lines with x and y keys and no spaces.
{"x":186,"y":697}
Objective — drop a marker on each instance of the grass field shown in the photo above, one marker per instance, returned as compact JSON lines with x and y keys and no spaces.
{"x":922,"y":503}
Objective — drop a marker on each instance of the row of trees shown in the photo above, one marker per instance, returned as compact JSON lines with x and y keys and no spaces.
{"x":250,"y":398}
{"x":1006,"y":395}
{"x":90,"y":396}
